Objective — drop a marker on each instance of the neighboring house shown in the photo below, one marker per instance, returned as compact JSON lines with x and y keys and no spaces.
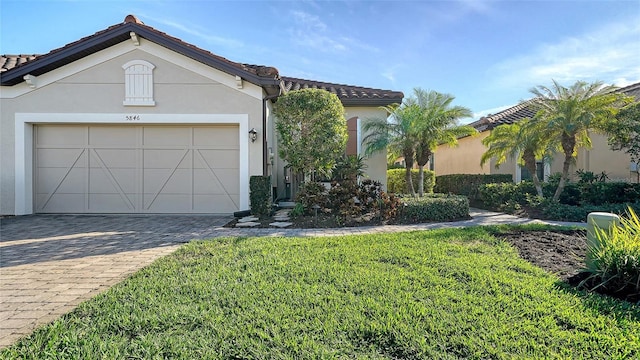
{"x":465,"y":158}
{"x":132,"y":120}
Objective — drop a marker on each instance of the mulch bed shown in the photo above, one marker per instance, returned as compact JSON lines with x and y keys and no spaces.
{"x":561,"y":252}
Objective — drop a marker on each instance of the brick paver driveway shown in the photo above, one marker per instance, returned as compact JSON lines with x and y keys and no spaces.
{"x":51,"y":263}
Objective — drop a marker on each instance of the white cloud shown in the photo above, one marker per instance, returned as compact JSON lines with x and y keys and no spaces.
{"x":191,"y":30}
{"x":479,"y":114}
{"x":310,"y":31}
{"x":609,"y":54}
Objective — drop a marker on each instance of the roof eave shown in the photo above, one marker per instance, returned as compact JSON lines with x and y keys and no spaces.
{"x":369,"y":102}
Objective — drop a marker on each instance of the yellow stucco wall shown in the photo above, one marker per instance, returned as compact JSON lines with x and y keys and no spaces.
{"x":465,"y":159}
{"x":462,"y":159}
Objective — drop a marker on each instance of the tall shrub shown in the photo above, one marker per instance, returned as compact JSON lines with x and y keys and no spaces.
{"x":397,"y":183}
{"x":260,"y":195}
{"x":468,"y":184}
{"x":312,"y":131}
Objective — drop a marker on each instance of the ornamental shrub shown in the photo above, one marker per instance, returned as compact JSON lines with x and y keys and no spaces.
{"x":260,"y":195}
{"x":468,"y":184}
{"x":311,"y":194}
{"x":397,"y":184}
{"x":614,"y":258}
{"x":563,"y":212}
{"x":312,"y":131}
{"x":435,"y":207}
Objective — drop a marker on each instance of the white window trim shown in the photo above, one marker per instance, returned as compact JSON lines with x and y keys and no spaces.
{"x":24,"y":144}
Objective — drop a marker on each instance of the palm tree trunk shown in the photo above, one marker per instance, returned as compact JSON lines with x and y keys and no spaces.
{"x":420,"y":180}
{"x":568,"y":145}
{"x":407,"y":176}
{"x":530,"y":163}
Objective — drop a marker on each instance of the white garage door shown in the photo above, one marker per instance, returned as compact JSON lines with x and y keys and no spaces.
{"x":136,"y":169}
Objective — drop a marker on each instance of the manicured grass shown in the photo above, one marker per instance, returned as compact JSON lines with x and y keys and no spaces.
{"x":443,"y":294}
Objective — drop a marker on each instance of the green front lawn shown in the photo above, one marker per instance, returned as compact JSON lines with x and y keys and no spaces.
{"x":445,"y":294}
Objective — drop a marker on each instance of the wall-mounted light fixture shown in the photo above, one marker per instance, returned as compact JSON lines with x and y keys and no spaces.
{"x":253,"y":134}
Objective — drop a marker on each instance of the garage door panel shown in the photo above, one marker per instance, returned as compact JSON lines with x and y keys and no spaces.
{"x":113,"y":136}
{"x":61,"y":180}
{"x":168,"y":203}
{"x":102,"y":183}
{"x":223,"y":137}
{"x":61,"y":135}
{"x":113,"y":203}
{"x":137,"y":169}
{"x":61,"y":203}
{"x":61,"y":158}
{"x":217,"y":159}
{"x":216,"y":203}
{"x":178,"y":183}
{"x":204,"y":182}
{"x":113,"y":158}
{"x":165,"y":159}
{"x":225,"y":180}
{"x":166,"y":136}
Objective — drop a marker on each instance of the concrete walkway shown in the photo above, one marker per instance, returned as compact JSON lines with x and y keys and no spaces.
{"x":51,"y":263}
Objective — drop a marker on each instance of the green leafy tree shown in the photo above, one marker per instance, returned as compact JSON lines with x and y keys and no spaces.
{"x":312,"y":131}
{"x":436,"y":124}
{"x":566,"y":114}
{"x":396,"y":134}
{"x":624,"y":132}
{"x":522,"y":141}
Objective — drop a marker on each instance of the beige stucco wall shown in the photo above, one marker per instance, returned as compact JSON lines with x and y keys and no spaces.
{"x":376,"y":163}
{"x":95,"y":85}
{"x":462,"y":159}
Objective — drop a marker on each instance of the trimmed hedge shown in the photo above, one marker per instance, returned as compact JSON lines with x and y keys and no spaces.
{"x":496,"y":196}
{"x":396,"y":183}
{"x":260,"y":195}
{"x":563,"y":212}
{"x":468,"y":184}
{"x":434,"y":207}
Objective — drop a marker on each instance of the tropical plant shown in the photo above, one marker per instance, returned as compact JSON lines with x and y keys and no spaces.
{"x":567,"y":114}
{"x":312,"y":131}
{"x":522,"y":140}
{"x":437,"y":124}
{"x":349,"y":167}
{"x":613,"y":259}
{"x":396,"y":134}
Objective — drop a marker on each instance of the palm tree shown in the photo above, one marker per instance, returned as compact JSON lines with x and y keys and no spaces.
{"x":567,"y":114}
{"x":396,"y":134}
{"x":436,"y":124}
{"x":523,"y":140}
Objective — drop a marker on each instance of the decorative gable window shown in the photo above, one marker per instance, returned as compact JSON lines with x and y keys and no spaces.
{"x":138,"y":83}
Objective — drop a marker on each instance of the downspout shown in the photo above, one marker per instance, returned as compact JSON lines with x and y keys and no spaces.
{"x":265,"y":156}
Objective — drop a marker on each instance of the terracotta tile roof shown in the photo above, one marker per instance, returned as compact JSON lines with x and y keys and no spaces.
{"x":524,"y":110}
{"x":8,"y":62}
{"x":14,"y":67}
{"x":507,"y":116}
{"x":118,"y":33}
{"x":348,"y":94}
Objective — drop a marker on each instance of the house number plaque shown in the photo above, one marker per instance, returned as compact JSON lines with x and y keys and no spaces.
{"x":132,"y":117}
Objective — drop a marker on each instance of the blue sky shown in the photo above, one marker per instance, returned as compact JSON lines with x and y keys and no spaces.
{"x":488,"y":54}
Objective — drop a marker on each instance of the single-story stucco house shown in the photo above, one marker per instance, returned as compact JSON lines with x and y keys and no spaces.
{"x":465,"y":158}
{"x":133,"y":120}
